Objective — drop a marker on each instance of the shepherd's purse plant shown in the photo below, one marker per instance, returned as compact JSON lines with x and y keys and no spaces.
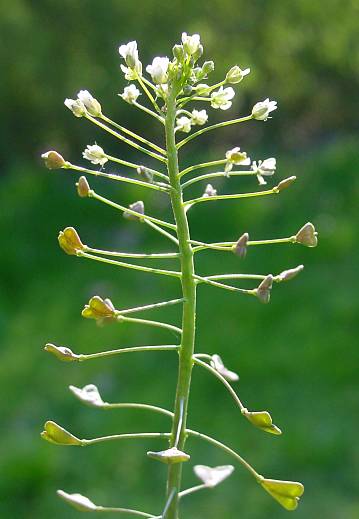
{"x":169,"y":87}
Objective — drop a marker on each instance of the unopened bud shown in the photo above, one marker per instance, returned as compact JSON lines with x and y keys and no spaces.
{"x":240,"y":248}
{"x":178,"y":52}
{"x":207,"y":67}
{"x":286,"y":275}
{"x":236,"y":74}
{"x":61,"y":353}
{"x":70,"y":241}
{"x":263,"y":291}
{"x":262,"y":420}
{"x":99,"y":309}
{"x":91,"y":104}
{"x":307,"y":235}
{"x":83,"y":188}
{"x":138,"y":207}
{"x":198,"y":53}
{"x":187,"y":90}
{"x":169,"y":456}
{"x":76,"y":106}
{"x":54,"y":433}
{"x":53,"y":160}
{"x":283,"y":184}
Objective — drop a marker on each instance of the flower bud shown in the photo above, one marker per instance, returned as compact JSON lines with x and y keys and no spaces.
{"x":212,"y":476}
{"x":262,"y":420}
{"x":91,"y":104}
{"x":236,"y":74}
{"x":209,"y":191}
{"x":130,"y":94}
{"x":261,"y":110}
{"x":83,"y":187}
{"x":192,"y":44}
{"x":202,"y":89}
{"x":287,"y":493}
{"x":187,"y":90}
{"x":159,"y":70}
{"x":307,"y":235}
{"x":263,"y":291}
{"x":99,"y":309}
{"x":70,"y":241}
{"x":286,"y":275}
{"x":53,"y":160}
{"x":178,"y":52}
{"x":207,"y":68}
{"x":78,"y":501}
{"x":76,"y":106}
{"x":95,"y":154}
{"x":54,"y":433}
{"x":138,"y":207}
{"x":169,"y":456}
{"x":129,"y":52}
{"x":145,"y":173}
{"x":62,"y":353}
{"x":240,"y":248}
{"x":88,"y":394}
{"x":199,"y":52}
{"x":283,"y":184}
{"x":217,"y":364}
{"x":199,"y":117}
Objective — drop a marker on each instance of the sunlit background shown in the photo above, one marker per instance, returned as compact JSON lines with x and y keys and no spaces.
{"x":296,"y":357}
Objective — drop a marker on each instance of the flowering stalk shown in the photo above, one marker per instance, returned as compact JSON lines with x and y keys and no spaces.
{"x":174,"y":84}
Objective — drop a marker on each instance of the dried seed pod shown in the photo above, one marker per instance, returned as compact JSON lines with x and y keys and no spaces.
{"x":240,"y":248}
{"x":307,"y":235}
{"x":61,"y":352}
{"x":83,"y":187}
{"x":138,"y":207}
{"x":169,"y":456}
{"x":263,"y":291}
{"x":53,"y":160}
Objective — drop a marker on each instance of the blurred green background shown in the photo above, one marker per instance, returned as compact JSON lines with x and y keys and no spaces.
{"x":296,"y":357}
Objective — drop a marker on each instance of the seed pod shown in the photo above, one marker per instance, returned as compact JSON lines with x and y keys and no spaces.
{"x":240,"y":248}
{"x":307,"y":235}
{"x":83,"y":187}
{"x":53,"y":160}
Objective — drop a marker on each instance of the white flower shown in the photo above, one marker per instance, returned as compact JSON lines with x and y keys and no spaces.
{"x":212,"y":476}
{"x":236,"y":74}
{"x":129,"y":53}
{"x":265,"y":167}
{"x":81,"y":503}
{"x":95,"y":154}
{"x":91,"y":104}
{"x":236,"y":157}
{"x":191,"y":43}
{"x":262,"y":109}
{"x":76,"y":106}
{"x":199,"y":117}
{"x":88,"y":394}
{"x":209,"y":191}
{"x":184,"y":124}
{"x":222,"y":98}
{"x":158,"y":70}
{"x":162,"y":90}
{"x":218,"y":365}
{"x":130,"y":94}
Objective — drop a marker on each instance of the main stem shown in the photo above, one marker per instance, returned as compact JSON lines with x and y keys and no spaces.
{"x":189,"y":310}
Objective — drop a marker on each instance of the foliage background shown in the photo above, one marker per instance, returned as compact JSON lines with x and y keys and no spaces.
{"x":297,"y":357}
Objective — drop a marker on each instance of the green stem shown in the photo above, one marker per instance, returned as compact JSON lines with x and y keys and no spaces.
{"x":124,"y":139}
{"x":136,"y":166}
{"x":220,"y":174}
{"x":134,"y":135}
{"x":151,"y":306}
{"x":165,"y":255}
{"x":132,"y":405}
{"x":228,"y":245}
{"x":161,"y":231}
{"x":135,"y":349}
{"x":149,"y":112}
{"x":130,"y":436}
{"x":118,"y":178}
{"x":189,"y":310}
{"x":213,"y":127}
{"x":124,"y":511}
{"x":226,"y":449}
{"x":202,"y":165}
{"x":273,"y":191}
{"x":156,"y":324}
{"x":96,"y":196}
{"x":142,"y":268}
